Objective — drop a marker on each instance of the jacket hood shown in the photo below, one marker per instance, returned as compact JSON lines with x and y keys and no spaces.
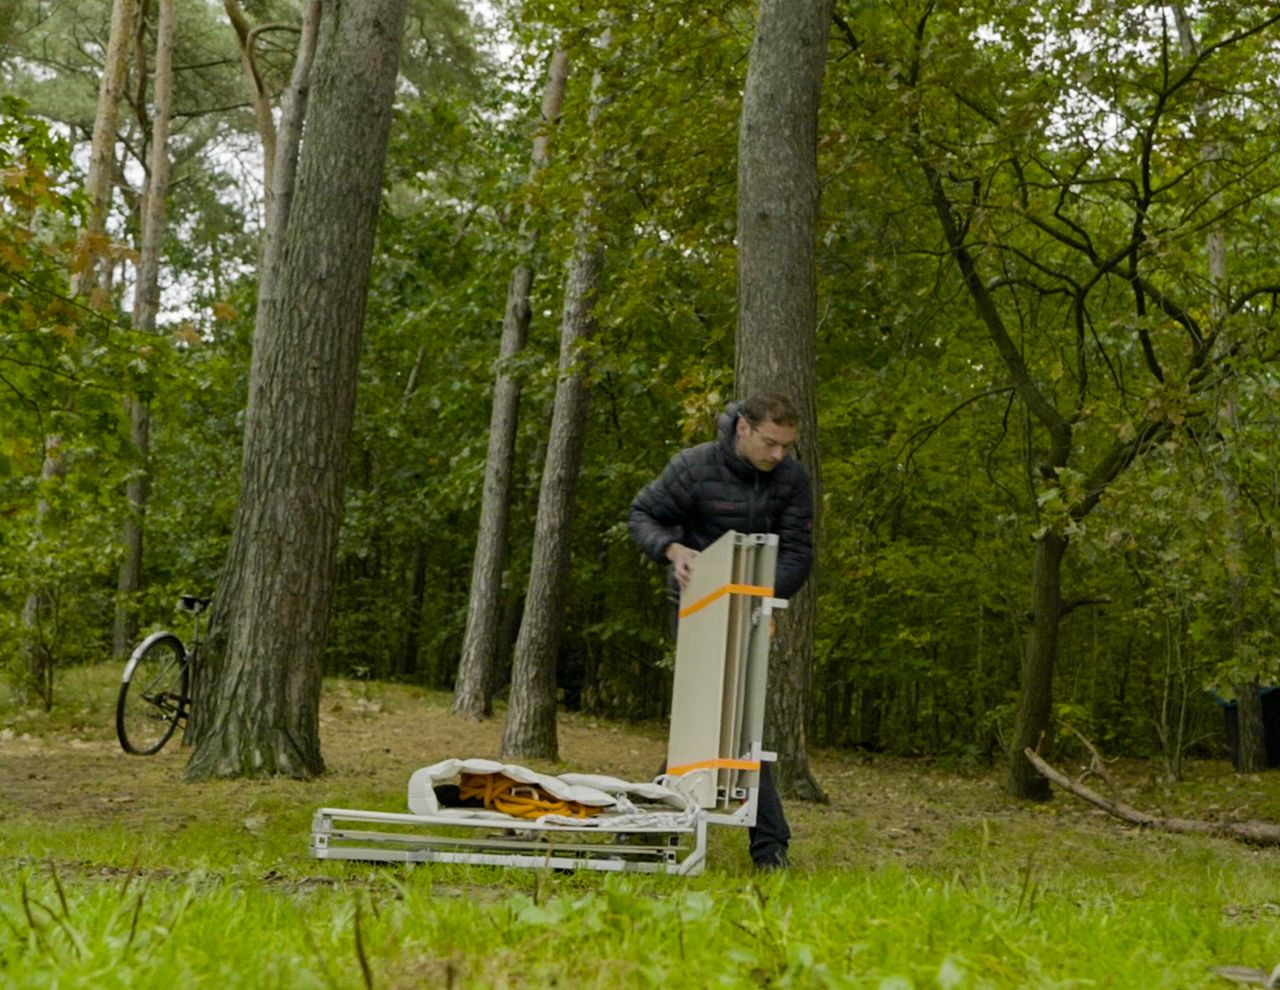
{"x":726,"y":436}
{"x":727,"y":422}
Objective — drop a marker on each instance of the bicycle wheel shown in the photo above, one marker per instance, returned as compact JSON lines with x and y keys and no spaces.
{"x":153,"y":694}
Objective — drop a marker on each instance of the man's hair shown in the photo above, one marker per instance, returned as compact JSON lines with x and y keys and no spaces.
{"x":769,"y":405}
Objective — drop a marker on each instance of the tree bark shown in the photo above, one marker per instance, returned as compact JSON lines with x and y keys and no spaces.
{"x":258,"y":95}
{"x":98,"y":182}
{"x":1035,"y":697}
{"x":258,"y":688}
{"x":776,"y":346}
{"x":39,"y":614}
{"x":282,"y":177}
{"x":471,"y":694}
{"x":530,"y":732}
{"x":146,"y":305}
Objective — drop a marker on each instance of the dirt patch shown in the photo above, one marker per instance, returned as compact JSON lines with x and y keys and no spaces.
{"x":373,"y":737}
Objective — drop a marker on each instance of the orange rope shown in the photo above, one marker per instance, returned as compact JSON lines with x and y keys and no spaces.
{"x":500,"y":793}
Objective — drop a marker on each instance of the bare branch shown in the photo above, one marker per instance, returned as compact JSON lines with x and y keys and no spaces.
{"x":1254,"y":832}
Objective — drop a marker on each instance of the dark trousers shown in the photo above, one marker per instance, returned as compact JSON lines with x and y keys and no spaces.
{"x":771,"y":834}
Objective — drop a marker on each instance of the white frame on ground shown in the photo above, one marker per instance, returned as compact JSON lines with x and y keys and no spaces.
{"x":715,"y":747}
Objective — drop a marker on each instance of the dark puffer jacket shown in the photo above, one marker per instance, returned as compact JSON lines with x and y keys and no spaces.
{"x":707,"y":490}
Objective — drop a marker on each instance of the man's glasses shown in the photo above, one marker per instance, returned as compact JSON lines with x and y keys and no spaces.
{"x":770,"y":444}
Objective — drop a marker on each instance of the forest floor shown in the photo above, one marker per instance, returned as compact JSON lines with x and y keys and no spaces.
{"x":67,"y":769}
{"x":918,"y":873}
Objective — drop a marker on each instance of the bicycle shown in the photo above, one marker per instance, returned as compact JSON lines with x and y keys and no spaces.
{"x":155,"y":691}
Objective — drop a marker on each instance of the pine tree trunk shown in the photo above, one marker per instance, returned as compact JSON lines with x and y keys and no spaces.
{"x":146,"y":305}
{"x":1036,"y":698}
{"x":530,"y":732}
{"x":531,"y":717}
{"x":98,"y":182}
{"x":471,"y":696}
{"x":258,"y":689}
{"x":777,"y":307}
{"x":137,"y":493}
{"x":281,"y":178}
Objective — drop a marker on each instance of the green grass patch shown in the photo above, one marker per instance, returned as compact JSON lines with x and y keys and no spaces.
{"x":403,"y":927}
{"x":116,"y":874}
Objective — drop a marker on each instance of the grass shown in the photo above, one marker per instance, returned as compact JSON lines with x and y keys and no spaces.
{"x":115,"y":875}
{"x":425,"y":927}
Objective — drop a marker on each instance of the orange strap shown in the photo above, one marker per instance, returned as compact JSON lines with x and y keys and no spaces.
{"x":758,"y":590}
{"x":714,"y":765}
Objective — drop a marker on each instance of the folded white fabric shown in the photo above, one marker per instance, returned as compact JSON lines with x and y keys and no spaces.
{"x":610,"y":794}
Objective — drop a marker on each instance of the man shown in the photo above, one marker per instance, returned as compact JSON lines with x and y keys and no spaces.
{"x":744,"y":480}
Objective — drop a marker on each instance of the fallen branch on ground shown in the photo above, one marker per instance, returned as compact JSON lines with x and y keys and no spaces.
{"x":1255,"y":832}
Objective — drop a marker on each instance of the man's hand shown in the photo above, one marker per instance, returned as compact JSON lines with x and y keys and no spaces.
{"x":682,"y":559}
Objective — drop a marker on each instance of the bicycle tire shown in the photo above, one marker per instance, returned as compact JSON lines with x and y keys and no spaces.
{"x":154,"y":693}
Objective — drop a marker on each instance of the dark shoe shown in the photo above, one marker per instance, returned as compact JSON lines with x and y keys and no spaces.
{"x":773,"y":863}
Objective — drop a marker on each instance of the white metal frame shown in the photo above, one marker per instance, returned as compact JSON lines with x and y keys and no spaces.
{"x":714,"y":752}
{"x":677,"y":848}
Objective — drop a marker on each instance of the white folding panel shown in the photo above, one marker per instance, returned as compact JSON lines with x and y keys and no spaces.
{"x":698,"y":684}
{"x":722,"y":658}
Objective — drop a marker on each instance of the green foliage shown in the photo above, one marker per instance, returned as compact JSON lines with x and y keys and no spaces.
{"x":60,"y":364}
{"x":1051,"y":127}
{"x":1071,"y":144}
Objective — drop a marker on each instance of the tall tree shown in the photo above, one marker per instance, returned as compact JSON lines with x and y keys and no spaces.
{"x":102,"y":153}
{"x":530,"y":731}
{"x":279,"y":144}
{"x":776,"y":342}
{"x":146,"y":305}
{"x":1039,"y":263}
{"x":472,"y":690}
{"x":260,"y":691}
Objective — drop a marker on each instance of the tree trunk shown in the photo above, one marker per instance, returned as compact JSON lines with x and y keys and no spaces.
{"x":531,"y":718}
{"x":471,"y":697}
{"x":146,"y":306}
{"x":530,"y":731}
{"x":1035,"y":700}
{"x":258,"y":690}
{"x":258,"y":95}
{"x":98,"y":182}
{"x":137,"y":492}
{"x":282,"y":177}
{"x":408,"y":665}
{"x":777,"y":306}
{"x":1250,"y":727}
{"x":39,"y":614}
